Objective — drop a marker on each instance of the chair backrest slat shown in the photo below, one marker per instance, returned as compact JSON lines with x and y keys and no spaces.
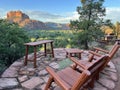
{"x":113,"y":51}
{"x":115,"y":45}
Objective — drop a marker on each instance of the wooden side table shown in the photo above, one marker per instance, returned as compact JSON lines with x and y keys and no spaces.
{"x":71,"y":51}
{"x":35,"y":44}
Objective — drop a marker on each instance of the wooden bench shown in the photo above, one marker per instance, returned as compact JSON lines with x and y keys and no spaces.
{"x":35,"y":44}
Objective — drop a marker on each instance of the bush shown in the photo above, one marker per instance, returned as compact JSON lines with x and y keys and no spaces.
{"x":2,"y":67}
{"x":12,"y":39}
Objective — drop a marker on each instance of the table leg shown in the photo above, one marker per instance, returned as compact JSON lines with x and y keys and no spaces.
{"x":70,"y":54}
{"x":26,"y":55}
{"x":79,"y":55}
{"x":66,"y":54}
{"x":45,"y":50}
{"x":35,"y":57}
{"x":52,"y":49}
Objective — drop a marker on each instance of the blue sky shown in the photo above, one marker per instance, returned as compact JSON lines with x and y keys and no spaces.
{"x":61,"y":11}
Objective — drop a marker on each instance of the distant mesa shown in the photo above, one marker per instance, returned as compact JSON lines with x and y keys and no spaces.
{"x":24,"y":21}
{"x":16,"y":16}
{"x":57,"y":26}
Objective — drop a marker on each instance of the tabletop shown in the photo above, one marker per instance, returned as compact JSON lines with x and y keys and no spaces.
{"x":38,"y":42}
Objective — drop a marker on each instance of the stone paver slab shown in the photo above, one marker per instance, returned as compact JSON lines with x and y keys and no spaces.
{"x":8,"y":83}
{"x":17,"y":64}
{"x":10,"y":72}
{"x":97,"y":86}
{"x":111,"y":65}
{"x":43,"y":72}
{"x":111,"y":69}
{"x":32,"y":83}
{"x":107,"y":83}
{"x":52,"y":64}
{"x":23,"y":78}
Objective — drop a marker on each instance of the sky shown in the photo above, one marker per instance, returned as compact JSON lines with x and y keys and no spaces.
{"x":60,"y":11}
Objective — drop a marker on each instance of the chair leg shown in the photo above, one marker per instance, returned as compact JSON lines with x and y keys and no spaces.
{"x":91,"y":84}
{"x":97,"y":76}
{"x":50,"y":80}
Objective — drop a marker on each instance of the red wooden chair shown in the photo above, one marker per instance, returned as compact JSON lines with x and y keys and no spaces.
{"x":71,"y":79}
{"x":93,"y":55}
{"x":111,"y":53}
{"x":97,"y":53}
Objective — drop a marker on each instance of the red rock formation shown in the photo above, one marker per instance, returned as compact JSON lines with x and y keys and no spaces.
{"x":16,"y":16}
{"x":24,"y":21}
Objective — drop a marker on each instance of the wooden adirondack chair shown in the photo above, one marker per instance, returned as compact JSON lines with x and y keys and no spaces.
{"x":71,"y":79}
{"x":88,"y":64}
{"x":92,"y":56}
{"x":111,"y":53}
{"x":96,"y":53}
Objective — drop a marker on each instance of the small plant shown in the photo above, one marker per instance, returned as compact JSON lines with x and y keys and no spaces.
{"x":2,"y":67}
{"x":65,"y":63}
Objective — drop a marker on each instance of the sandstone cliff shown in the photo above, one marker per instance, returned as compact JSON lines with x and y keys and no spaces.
{"x":24,"y":21}
{"x":16,"y":16}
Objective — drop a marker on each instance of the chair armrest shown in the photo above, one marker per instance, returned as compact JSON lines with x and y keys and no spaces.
{"x":95,"y":54}
{"x":77,"y":62}
{"x":100,"y":49}
{"x":63,"y":84}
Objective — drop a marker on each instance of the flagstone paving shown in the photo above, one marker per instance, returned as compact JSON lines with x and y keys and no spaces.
{"x":20,"y":77}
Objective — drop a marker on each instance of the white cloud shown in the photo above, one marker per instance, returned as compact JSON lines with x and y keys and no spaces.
{"x":41,"y":14}
{"x":68,"y":17}
{"x":2,"y":13}
{"x":113,"y":14}
{"x":49,"y":17}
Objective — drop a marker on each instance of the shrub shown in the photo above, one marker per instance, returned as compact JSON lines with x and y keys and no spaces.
{"x":12,"y":42}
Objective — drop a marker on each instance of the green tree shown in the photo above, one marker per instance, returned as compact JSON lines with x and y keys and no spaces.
{"x":90,"y":21}
{"x":12,"y":39}
{"x":116,"y":29}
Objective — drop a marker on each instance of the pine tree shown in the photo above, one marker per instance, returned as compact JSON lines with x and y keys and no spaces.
{"x":90,"y":21}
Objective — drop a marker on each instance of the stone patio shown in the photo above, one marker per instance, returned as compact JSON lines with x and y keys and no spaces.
{"x":20,"y":77}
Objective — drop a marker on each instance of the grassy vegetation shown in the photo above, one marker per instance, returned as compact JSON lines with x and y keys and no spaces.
{"x":62,"y":38}
{"x":64,"y":63}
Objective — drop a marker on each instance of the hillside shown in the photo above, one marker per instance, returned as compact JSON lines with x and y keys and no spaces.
{"x":24,"y":21}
